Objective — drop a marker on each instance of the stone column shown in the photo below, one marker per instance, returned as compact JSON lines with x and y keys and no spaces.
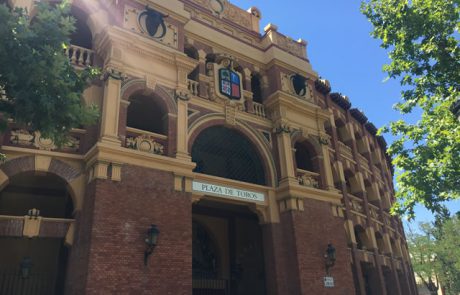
{"x":182,"y":128}
{"x":111,"y":108}
{"x":327,"y":167}
{"x":285,"y":152}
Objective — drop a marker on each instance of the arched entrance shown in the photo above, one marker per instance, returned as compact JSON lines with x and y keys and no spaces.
{"x":35,"y":219}
{"x":225,"y":152}
{"x":228,"y":256}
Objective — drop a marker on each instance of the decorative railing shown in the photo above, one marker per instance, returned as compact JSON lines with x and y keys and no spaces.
{"x":259,"y":109}
{"x":363,"y":160}
{"x":79,"y":56}
{"x":384,"y":260}
{"x":193,"y":87}
{"x":387,"y":219}
{"x":42,"y":227}
{"x":145,"y":141}
{"x":308,"y":178}
{"x":345,"y":150}
{"x":374,"y":211}
{"x":356,"y":204}
{"x":364,"y":255}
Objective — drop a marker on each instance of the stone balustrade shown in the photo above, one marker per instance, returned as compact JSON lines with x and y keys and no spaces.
{"x":259,"y":110}
{"x":79,"y":56}
{"x":193,"y":87}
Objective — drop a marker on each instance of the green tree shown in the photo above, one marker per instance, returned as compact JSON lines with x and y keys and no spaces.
{"x":435,"y":254}
{"x":40,"y":88}
{"x":422,"y":39}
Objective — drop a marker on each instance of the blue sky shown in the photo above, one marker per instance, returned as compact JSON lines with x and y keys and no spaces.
{"x":342,"y":51}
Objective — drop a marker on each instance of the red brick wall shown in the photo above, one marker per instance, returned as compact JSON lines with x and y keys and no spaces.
{"x":121,"y":214}
{"x":300,"y":241}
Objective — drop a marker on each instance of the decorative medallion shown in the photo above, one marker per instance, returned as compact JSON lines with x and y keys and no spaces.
{"x":145,"y":143}
{"x":152,"y":22}
{"x":217,"y":6}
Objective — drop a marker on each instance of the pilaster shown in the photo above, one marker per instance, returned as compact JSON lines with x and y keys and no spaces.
{"x":111,"y":107}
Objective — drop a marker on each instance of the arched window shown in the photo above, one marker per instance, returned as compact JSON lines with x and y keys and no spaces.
{"x":307,"y":171}
{"x":342,"y":133}
{"x":82,"y":36}
{"x":372,"y":193}
{"x":362,"y":240}
{"x":380,"y":242}
{"x":351,"y":182}
{"x":303,"y":157}
{"x":256,"y":87}
{"x":361,"y":144}
{"x":224,"y":152}
{"x":145,"y":113}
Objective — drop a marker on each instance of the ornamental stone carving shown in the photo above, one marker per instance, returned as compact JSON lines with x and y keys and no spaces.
{"x":145,"y":143}
{"x":308,"y":180}
{"x":23,"y":137}
{"x":151,"y":24}
{"x":287,"y":85}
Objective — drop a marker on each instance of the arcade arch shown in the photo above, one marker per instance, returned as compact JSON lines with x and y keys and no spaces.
{"x":35,"y":220}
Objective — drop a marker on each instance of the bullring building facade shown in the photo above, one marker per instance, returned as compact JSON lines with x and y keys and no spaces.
{"x":221,"y":164}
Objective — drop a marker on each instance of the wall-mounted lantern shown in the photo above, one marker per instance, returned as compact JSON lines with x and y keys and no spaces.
{"x":329,"y":257}
{"x":151,"y":240}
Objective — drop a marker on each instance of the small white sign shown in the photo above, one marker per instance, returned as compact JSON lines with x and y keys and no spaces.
{"x":224,"y":191}
{"x":328,"y":282}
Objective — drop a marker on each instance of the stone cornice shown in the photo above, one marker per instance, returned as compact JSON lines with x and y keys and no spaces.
{"x":120,"y":155}
{"x":282,"y":99}
{"x":288,"y":189}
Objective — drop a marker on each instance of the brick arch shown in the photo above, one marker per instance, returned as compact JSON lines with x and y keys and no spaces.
{"x":56,"y":167}
{"x":139,"y":86}
{"x":312,"y":142}
{"x":252,"y":135}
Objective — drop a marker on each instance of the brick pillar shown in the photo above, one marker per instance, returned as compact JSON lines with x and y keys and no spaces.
{"x":114,"y":223}
{"x":295,"y":249}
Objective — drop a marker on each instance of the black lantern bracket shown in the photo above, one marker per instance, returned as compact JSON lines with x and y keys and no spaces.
{"x":151,"y":240}
{"x":329,"y":258}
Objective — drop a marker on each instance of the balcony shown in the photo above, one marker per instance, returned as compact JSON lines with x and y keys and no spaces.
{"x":307,"y":178}
{"x":364,"y":162}
{"x":259,"y":110}
{"x":41,"y":227}
{"x":374,"y":212}
{"x":145,"y":141}
{"x":345,"y":150}
{"x":193,"y":87}
{"x":80,"y":57}
{"x":356,"y":204}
